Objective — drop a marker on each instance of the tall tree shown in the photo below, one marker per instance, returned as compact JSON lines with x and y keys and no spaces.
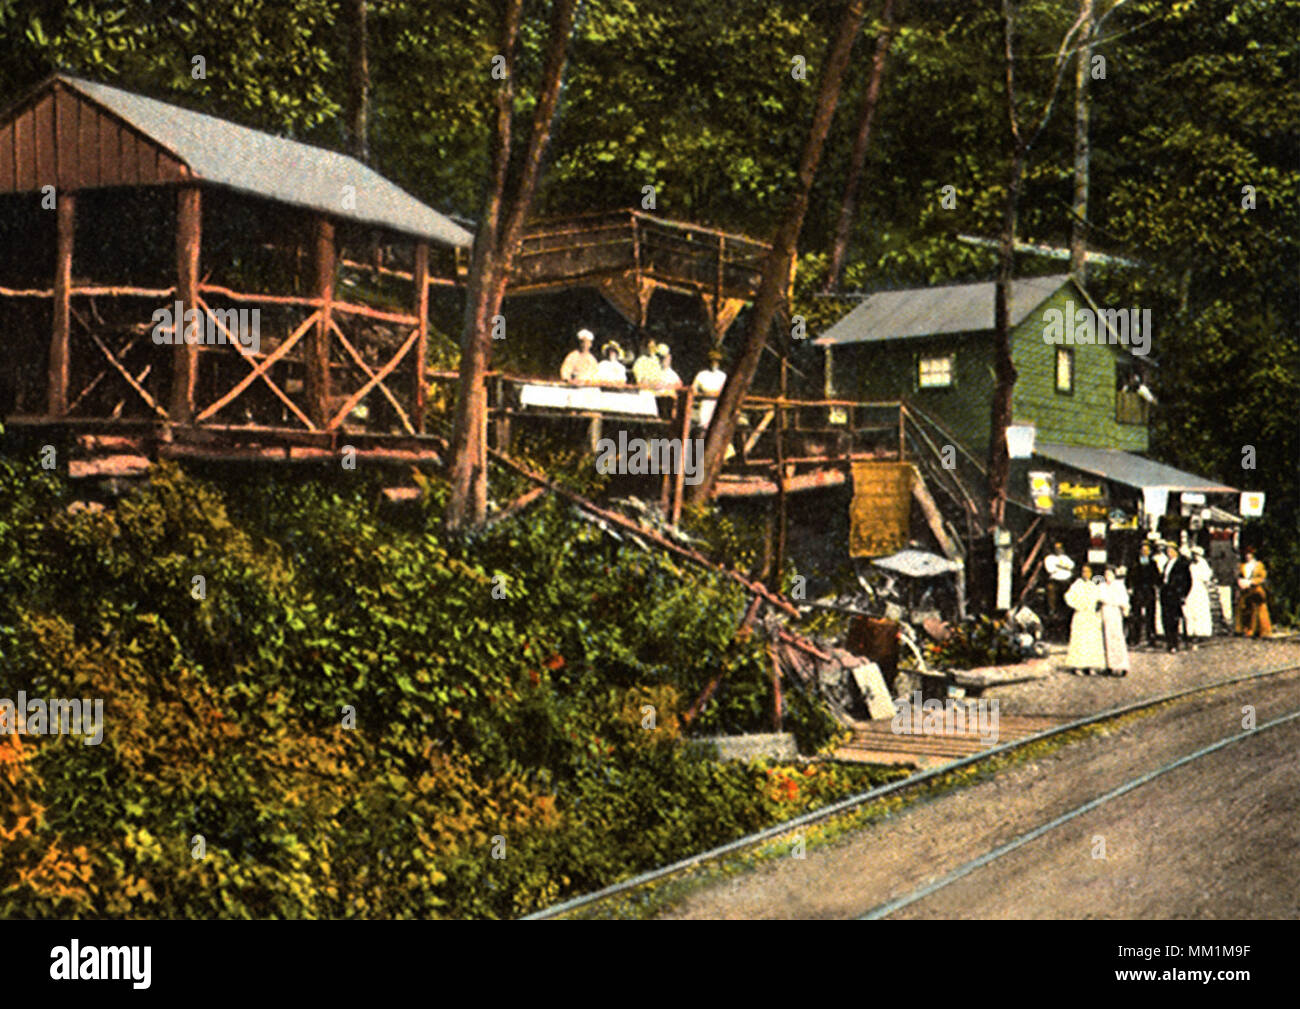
{"x":858,"y":160}
{"x":358,"y":110}
{"x":780,"y":260}
{"x":1079,"y":220}
{"x":500,"y":230}
{"x":1022,"y":138}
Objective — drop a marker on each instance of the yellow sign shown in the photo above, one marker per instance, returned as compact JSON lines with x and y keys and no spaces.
{"x":880,"y":513}
{"x":1090,"y":512}
{"x":1080,"y":491}
{"x":1042,"y":491}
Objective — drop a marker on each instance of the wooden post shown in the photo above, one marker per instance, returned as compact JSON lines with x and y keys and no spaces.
{"x":778,"y":558}
{"x":778,"y":701}
{"x":316,"y":356}
{"x":65,"y":222}
{"x":185,"y":356}
{"x":420,"y":274}
{"x":686,"y":401}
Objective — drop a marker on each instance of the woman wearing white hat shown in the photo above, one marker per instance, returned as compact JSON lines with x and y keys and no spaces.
{"x":1196,"y":610}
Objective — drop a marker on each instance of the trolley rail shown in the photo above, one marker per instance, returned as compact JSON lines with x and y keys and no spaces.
{"x":921,"y":892}
{"x":893,"y":788}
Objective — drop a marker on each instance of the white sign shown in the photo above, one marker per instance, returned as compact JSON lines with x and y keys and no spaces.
{"x":1155,"y":500}
{"x":1020,"y":441}
{"x":1193,"y":499}
{"x":1252,"y":504}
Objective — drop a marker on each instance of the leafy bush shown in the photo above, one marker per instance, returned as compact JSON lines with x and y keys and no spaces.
{"x":348,"y":715}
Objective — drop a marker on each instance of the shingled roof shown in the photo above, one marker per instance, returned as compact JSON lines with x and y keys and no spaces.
{"x":223,"y":153}
{"x":927,"y":311}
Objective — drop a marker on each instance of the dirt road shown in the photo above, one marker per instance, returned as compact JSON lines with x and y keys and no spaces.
{"x":1219,"y":838}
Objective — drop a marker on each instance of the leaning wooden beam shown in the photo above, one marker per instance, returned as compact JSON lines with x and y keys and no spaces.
{"x":259,"y":369}
{"x":517,"y":505}
{"x":360,"y":362}
{"x":57,"y":386}
{"x":185,"y":356}
{"x":753,"y":587}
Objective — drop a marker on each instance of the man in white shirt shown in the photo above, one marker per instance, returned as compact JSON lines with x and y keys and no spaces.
{"x":1060,"y":572}
{"x":580,"y":365}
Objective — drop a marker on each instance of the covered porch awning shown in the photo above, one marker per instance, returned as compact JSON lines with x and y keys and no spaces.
{"x":1131,"y":470}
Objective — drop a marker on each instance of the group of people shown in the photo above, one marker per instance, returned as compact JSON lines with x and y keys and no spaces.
{"x":1110,"y":614}
{"x":652,"y":369}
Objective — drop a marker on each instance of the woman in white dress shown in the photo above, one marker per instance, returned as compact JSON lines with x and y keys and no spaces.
{"x":1196,"y":608}
{"x":611,"y":369}
{"x":710,"y":383}
{"x":1114,"y":608}
{"x":1087,"y":650}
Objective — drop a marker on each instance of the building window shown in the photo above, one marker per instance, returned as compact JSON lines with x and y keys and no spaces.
{"x":935,"y":372}
{"x":1064,"y":370}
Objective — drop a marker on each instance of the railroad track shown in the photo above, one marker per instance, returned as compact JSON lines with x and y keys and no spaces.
{"x":848,"y":805}
{"x":934,"y":886}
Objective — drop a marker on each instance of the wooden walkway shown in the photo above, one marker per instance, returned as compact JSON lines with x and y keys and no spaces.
{"x":876,"y":742}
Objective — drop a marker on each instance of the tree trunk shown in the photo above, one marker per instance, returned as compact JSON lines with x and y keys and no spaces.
{"x":859,"y":158}
{"x":780,"y":260}
{"x":1079,"y":223}
{"x":495,"y":245}
{"x":358,"y":113}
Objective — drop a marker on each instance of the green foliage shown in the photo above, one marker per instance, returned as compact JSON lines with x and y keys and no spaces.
{"x":983,"y":641}
{"x":518,"y":688}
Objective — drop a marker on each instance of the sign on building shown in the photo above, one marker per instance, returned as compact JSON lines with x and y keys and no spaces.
{"x":1042,"y":491}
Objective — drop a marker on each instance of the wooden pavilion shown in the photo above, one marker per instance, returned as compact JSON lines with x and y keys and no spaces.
{"x":117,"y":207}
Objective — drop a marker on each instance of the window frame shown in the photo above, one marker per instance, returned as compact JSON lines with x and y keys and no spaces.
{"x":921,"y":358}
{"x":1068,"y":352}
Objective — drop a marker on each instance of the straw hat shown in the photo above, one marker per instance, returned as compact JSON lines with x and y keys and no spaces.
{"x":586,"y":334}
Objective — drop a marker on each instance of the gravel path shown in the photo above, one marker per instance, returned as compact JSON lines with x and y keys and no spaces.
{"x":1153,"y":673}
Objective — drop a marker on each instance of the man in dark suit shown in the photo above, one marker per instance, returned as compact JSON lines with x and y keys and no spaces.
{"x":1174,"y":586}
{"x":1143,"y":578}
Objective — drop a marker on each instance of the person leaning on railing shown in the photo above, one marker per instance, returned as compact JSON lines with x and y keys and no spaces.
{"x":581,"y":365}
{"x":611,"y":369}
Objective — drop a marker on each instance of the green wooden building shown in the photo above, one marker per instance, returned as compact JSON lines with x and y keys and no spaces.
{"x":934,"y":347}
{"x":1081,"y":385}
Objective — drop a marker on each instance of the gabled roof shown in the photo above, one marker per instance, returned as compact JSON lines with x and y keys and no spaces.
{"x":927,"y":311}
{"x":1128,"y":469}
{"x":223,"y":153}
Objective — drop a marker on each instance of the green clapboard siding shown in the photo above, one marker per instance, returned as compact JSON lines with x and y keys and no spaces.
{"x":887,"y":371}
{"x":1088,"y":416}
